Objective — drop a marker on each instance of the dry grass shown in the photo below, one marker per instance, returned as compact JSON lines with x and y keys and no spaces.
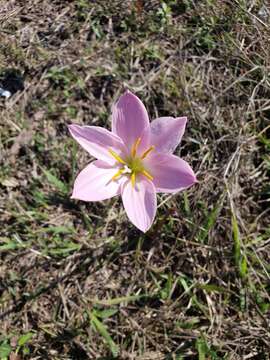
{"x":77,"y":281}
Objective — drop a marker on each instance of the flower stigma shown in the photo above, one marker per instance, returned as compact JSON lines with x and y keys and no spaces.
{"x":133,"y":164}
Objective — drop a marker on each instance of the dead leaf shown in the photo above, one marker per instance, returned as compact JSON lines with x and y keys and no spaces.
{"x":10,"y":182}
{"x":139,"y":7}
{"x":39,"y":115}
{"x":14,"y":356}
{"x":22,"y":139}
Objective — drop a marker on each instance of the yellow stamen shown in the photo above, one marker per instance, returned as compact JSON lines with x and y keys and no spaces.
{"x":133,"y":178}
{"x":146,"y":174}
{"x":119,"y":172}
{"x":134,"y":147}
{"x":147,"y":152}
{"x":116,"y":156}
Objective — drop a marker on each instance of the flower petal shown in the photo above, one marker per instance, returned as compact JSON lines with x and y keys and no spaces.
{"x":170,"y":173}
{"x":130,"y":120}
{"x":97,"y":141}
{"x":167,"y":132}
{"x":94,"y":182}
{"x":140,"y":202}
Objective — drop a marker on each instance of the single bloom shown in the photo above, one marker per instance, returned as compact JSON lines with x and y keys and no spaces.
{"x":134,"y":160}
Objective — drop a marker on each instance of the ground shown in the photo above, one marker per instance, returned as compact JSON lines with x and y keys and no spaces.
{"x":77,"y":280}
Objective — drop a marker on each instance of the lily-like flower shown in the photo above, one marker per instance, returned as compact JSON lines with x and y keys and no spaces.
{"x":134,"y":160}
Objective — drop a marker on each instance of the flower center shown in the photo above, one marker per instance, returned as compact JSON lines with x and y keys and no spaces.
{"x":133,"y":164}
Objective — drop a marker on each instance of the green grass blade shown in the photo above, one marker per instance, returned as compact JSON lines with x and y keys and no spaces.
{"x":236,"y":238}
{"x":119,"y":300}
{"x":55,"y":182}
{"x":100,"y":327}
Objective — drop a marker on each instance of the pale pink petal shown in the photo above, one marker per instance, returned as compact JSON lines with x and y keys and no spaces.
{"x":97,"y":141}
{"x":140,"y":202}
{"x":130,"y":120}
{"x":170,"y":172}
{"x":167,"y":132}
{"x":94,"y":182}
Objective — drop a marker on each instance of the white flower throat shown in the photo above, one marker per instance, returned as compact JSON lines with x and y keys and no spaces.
{"x":132,"y":165}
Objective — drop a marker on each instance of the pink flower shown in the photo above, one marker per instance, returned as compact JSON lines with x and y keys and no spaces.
{"x":134,"y":160}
